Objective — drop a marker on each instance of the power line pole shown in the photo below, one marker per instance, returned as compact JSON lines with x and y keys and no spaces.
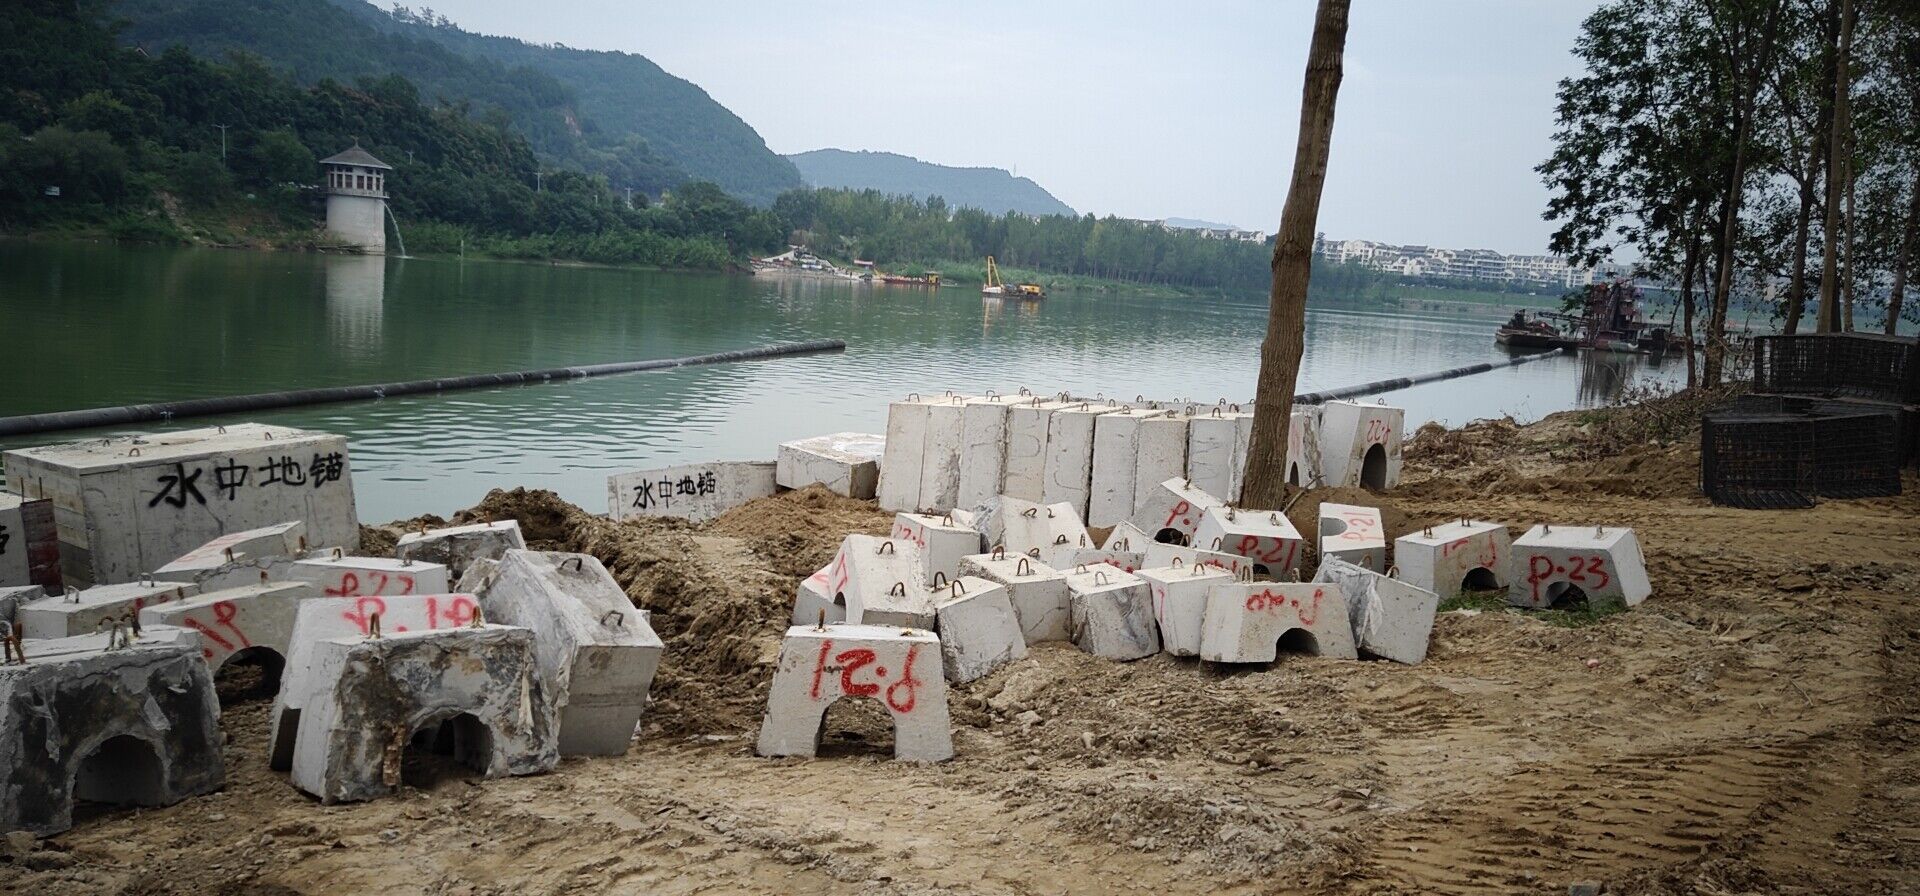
{"x":223,"y":142}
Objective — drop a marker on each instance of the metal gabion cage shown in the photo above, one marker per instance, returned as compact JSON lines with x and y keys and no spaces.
{"x":1856,"y":365}
{"x":1779,"y":452}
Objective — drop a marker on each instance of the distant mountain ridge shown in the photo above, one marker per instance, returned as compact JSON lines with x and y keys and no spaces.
{"x":993,"y":190}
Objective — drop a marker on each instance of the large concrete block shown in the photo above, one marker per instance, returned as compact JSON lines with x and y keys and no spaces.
{"x":1180,"y":602}
{"x":921,"y":467}
{"x":1089,"y":558}
{"x":938,"y":541}
{"x":1264,"y":536}
{"x":1217,"y":450}
{"x":134,"y":722}
{"x":847,"y":463}
{"x":1126,"y":537}
{"x":813,"y":604}
{"x":596,"y":653}
{"x":325,"y":618}
{"x":1160,"y":555}
{"x":979,"y":631}
{"x":457,"y":546}
{"x":983,"y":452}
{"x":474,"y":691}
{"x":940,"y":462}
{"x":233,"y":621}
{"x":342,"y":575}
{"x":1162,"y":455}
{"x":12,"y":596}
{"x":1390,"y":618}
{"x":1068,"y":470}
{"x":898,"y":667}
{"x":1026,"y":460}
{"x":29,"y":543}
{"x":80,"y":612}
{"x":1353,"y":534}
{"x":1116,"y":454}
{"x":279,"y":540}
{"x":1038,"y":530}
{"x":878,"y":580}
{"x":1037,"y":592}
{"x":698,"y":492}
{"x":1360,"y":444}
{"x":1451,"y":558}
{"x":1304,"y":467}
{"x":1113,"y":614}
{"x":1601,"y":563}
{"x":1169,"y":510}
{"x":124,"y":506}
{"x":1246,"y":622}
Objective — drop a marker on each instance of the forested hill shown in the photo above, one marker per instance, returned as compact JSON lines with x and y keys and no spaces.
{"x":615,"y":114}
{"x":988,"y":189}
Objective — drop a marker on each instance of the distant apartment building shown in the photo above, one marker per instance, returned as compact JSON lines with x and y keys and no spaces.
{"x":1455,"y":264}
{"x":1211,"y":233}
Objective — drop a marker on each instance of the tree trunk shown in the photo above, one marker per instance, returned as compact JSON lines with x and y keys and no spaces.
{"x":1846,"y":255}
{"x":1802,"y":223}
{"x":1836,"y":158}
{"x":1266,"y":479}
{"x":1687,"y":270}
{"x":1903,"y":254}
{"x":1736,"y":190}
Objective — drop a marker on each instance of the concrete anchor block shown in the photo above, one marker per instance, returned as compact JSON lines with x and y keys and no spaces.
{"x":1068,"y":471}
{"x":1170,"y":510}
{"x":107,"y":718}
{"x":1601,"y":563}
{"x":1304,"y":467}
{"x":474,"y":690}
{"x":1113,"y":614}
{"x":1159,"y":556}
{"x":1353,"y":534}
{"x":1266,"y":537}
{"x":983,"y":451}
{"x":939,"y":542}
{"x":1117,"y":440}
{"x":279,"y":540}
{"x":29,"y":543}
{"x":1026,"y":459}
{"x":1245,"y":622}
{"x":233,"y":621}
{"x":456,"y":546}
{"x":847,"y":463}
{"x":126,"y":505}
{"x":979,"y":632}
{"x":921,"y":467}
{"x":1360,"y":444}
{"x":1161,"y":456}
{"x":79,"y":612}
{"x":940,"y":462}
{"x":1390,"y":618}
{"x":1217,"y":450}
{"x":1087,"y":558}
{"x":899,"y":667}
{"x":1061,"y":554}
{"x":597,"y":654}
{"x":877,"y":581}
{"x":1127,"y":537}
{"x":1451,"y":558}
{"x":12,"y":596}
{"x":1180,"y":602}
{"x":326,"y":618}
{"x":1038,"y":593}
{"x":697,"y":492}
{"x":478,"y":577}
{"x":813,"y":604}
{"x":1038,"y":530}
{"x":341,"y":575}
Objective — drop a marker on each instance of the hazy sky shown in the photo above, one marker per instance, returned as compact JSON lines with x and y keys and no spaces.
{"x":1145,"y":110}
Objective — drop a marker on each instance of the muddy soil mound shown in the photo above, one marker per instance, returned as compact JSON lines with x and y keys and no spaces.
{"x":797,"y":532}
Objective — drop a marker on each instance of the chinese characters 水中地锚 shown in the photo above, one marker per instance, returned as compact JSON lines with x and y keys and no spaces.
{"x":660,"y":493}
{"x":181,"y":485}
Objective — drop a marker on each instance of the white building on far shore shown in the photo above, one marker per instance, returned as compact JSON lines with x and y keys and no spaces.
{"x":1455,"y":264}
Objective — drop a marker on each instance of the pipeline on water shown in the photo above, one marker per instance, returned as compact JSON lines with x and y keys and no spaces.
{"x":1377,"y":387}
{"x":198,"y":407}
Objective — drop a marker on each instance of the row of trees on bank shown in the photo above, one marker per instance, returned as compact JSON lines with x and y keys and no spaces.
{"x":1767,"y":147}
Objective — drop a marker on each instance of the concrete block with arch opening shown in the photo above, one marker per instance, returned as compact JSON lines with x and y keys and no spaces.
{"x":250,"y":623}
{"x":1391,"y":619}
{"x":879,"y":581}
{"x":1601,"y":565}
{"x":898,"y":667}
{"x":1265,"y":537}
{"x":1170,"y":511}
{"x":1360,"y":444}
{"x":1303,"y":449}
{"x":1249,"y":622}
{"x":1455,"y":557}
{"x":1353,"y":534}
{"x":939,"y":541}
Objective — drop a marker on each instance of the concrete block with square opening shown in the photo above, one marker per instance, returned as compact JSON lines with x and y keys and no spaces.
{"x":126,"y":505}
{"x":938,"y":541}
{"x":697,"y":492}
{"x":1391,"y":619}
{"x":457,"y":546}
{"x":343,"y":575}
{"x":1180,"y":602}
{"x":1265,"y":537}
{"x":1560,"y":564}
{"x":845,"y":463}
{"x":1455,"y":557}
{"x":1353,"y":534}
{"x":134,"y":723}
{"x":878,"y":581}
{"x":1217,"y":440}
{"x":1249,"y":622}
{"x":597,"y":654}
{"x":983,"y":451}
{"x":1038,"y":593}
{"x":1026,"y":458}
{"x":1360,"y":444}
{"x":326,"y":618}
{"x":251,"y":622}
{"x":1170,"y":510}
{"x":82,"y":611}
{"x":899,"y":667}
{"x":1068,"y":476}
{"x":1112,"y":614}
{"x":979,"y":631}
{"x":472,"y":694}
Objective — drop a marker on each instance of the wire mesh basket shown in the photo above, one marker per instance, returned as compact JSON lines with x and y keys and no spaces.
{"x":1780,"y":452}
{"x":1855,"y":365}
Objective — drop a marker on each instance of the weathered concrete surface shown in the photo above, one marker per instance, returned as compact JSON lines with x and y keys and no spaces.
{"x":279,"y":540}
{"x":1061,"y":555}
{"x":478,"y":577}
{"x":1026,"y":460}
{"x":126,"y":505}
{"x":1245,"y":621}
{"x":1390,"y":618}
{"x":904,"y":454}
{"x":596,"y":654}
{"x":326,"y":618}
{"x":349,"y":576}
{"x":1127,"y":537}
{"x":1169,"y":510}
{"x":1163,"y":555}
{"x":813,"y":604}
{"x":81,"y":612}
{"x":1603,"y":562}
{"x":1068,"y":476}
{"x":939,"y":542}
{"x":1446,"y":559}
{"x":1303,"y":448}
{"x":846,"y":463}
{"x":1038,"y":530}
{"x":136,"y":725}
{"x":1088,"y":558}
{"x":29,"y":543}
{"x":1360,"y":444}
{"x":12,"y":596}
{"x":698,"y":492}
{"x":1180,"y":603}
{"x":1353,"y":534}
{"x":1217,"y":450}
{"x":983,"y":448}
{"x":940,"y":461}
{"x":979,"y":631}
{"x":878,"y":581}
{"x":1113,"y":614}
{"x":1264,"y":536}
{"x":1038,"y":593}
{"x":232,"y":620}
{"x":480,"y":683}
{"x":898,"y":667}
{"x":1117,"y":441}
{"x":456,"y":546}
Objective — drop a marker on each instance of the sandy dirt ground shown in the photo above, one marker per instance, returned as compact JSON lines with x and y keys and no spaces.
{"x":1749,"y":729}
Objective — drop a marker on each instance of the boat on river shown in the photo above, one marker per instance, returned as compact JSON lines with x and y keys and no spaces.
{"x":995,"y":287}
{"x":1523,"y":330}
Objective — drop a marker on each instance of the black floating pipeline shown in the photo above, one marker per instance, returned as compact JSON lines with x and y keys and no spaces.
{"x":1380,"y":386}
{"x":233,"y":404}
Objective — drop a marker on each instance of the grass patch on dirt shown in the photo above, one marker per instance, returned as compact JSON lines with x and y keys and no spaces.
{"x":1577,"y":616}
